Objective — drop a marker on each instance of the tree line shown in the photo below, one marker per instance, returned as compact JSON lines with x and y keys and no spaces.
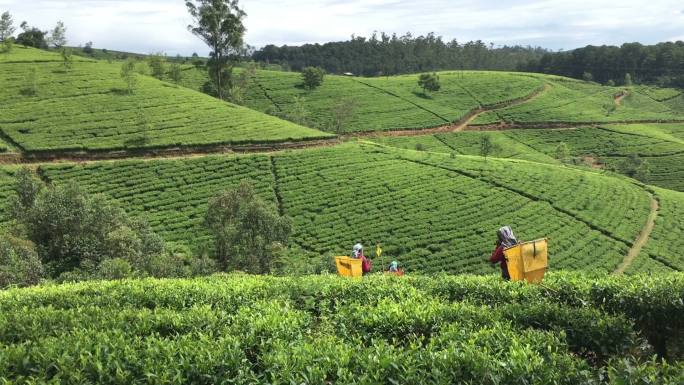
{"x":385,"y":54}
{"x":660,"y":64}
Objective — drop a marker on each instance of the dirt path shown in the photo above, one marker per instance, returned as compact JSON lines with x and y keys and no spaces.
{"x":469,"y":119}
{"x":641,"y":240}
{"x":619,"y":97}
{"x":461,"y":126}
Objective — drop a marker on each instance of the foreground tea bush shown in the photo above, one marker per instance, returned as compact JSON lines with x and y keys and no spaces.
{"x":243,"y":329}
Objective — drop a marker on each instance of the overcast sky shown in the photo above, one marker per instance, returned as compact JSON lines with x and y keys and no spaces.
{"x":147,"y":26}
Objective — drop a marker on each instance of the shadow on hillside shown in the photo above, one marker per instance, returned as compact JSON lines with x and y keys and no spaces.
{"x":422,"y":95}
{"x":119,"y":91}
{"x":136,"y":142}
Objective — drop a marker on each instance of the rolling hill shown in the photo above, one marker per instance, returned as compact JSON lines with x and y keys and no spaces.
{"x":425,"y":195}
{"x":401,"y":104}
{"x":433,"y":211}
{"x":50,"y":109}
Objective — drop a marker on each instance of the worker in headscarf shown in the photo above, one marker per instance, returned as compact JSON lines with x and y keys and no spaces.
{"x":357,"y":252}
{"x":505,"y":239}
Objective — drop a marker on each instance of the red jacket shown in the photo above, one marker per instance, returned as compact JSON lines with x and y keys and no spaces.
{"x":498,"y":256}
{"x":365,"y":264}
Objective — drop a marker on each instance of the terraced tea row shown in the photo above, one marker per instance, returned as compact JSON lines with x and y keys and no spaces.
{"x":661,"y":145}
{"x":431,"y":219}
{"x":662,"y":252}
{"x":326,"y":329}
{"x":173,"y":195}
{"x":431,"y":211}
{"x":570,"y":101}
{"x":386,"y":103}
{"x":88,"y":108}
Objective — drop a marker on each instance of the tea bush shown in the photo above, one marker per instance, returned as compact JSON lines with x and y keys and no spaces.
{"x":325,"y":329}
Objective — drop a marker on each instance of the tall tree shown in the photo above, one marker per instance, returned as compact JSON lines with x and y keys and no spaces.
{"x":219,"y":24}
{"x":487,"y":146}
{"x":128,"y":74}
{"x":58,"y":35}
{"x":6,"y":26}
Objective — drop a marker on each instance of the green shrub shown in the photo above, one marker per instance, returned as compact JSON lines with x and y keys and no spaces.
{"x":19,"y":262}
{"x":115,"y":268}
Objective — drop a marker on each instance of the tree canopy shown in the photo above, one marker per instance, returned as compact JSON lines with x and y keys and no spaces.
{"x":6,"y":26}
{"x":219,"y":24}
{"x":384,"y":54}
{"x":246,"y":229}
{"x":661,"y":64}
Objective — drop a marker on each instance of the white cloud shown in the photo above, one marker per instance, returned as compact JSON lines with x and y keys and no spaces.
{"x":160,"y":25}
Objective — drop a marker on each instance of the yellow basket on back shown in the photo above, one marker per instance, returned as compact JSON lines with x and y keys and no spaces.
{"x":348,"y":267}
{"x":528,"y":260}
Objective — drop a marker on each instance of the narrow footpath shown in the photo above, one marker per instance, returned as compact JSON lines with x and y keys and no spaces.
{"x":641,"y":239}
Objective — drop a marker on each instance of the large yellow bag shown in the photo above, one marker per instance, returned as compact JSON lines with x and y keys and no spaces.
{"x":528,"y":260}
{"x":348,"y":267}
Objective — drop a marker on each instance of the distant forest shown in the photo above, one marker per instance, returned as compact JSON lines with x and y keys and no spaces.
{"x":384,"y":54}
{"x":661,"y":64}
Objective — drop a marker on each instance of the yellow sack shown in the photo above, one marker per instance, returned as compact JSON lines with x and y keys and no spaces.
{"x":348,"y":267}
{"x":528,"y":260}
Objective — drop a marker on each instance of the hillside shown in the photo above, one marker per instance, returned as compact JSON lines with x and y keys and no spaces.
{"x":601,"y":146}
{"x":434,"y":212}
{"x":321,"y":330}
{"x":401,"y":104}
{"x":49,"y":109}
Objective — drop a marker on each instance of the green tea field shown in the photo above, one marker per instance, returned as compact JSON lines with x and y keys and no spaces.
{"x":211,"y":204}
{"x":317,"y":330}
{"x":396,"y":103}
{"x":434,"y":211}
{"x":47,"y":108}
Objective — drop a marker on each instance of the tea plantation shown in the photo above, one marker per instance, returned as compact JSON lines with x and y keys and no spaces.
{"x":319,"y":330}
{"x":433,"y":212}
{"x":384,"y":103}
{"x":572,"y":101}
{"x":47,"y":108}
{"x":607,"y":146}
{"x":397,"y":102}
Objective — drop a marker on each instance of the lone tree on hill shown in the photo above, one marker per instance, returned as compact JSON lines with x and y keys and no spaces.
{"x":628,"y":80}
{"x":176,"y":73}
{"x":487,"y":146}
{"x":312,"y":77}
{"x":562,"y":152}
{"x":429,"y":82}
{"x":219,"y":24}
{"x":247,"y":230}
{"x":67,"y":58}
{"x":342,"y":113}
{"x":6,"y":26}
{"x":128,"y":74}
{"x":157,"y":65}
{"x":58,"y":35}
